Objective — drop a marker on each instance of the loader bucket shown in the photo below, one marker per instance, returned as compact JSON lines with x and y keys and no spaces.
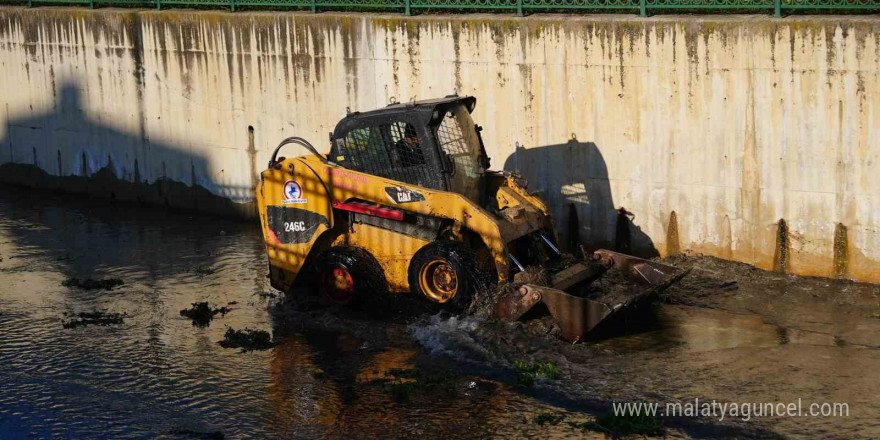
{"x":578,"y":315}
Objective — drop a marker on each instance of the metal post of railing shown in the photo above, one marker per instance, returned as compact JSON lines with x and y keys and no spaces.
{"x":314,"y":7}
{"x":408,"y":10}
{"x":91,"y":4}
{"x":778,"y":8}
{"x":232,"y":5}
{"x":519,"y":8}
{"x":158,"y":5}
{"x":642,"y":9}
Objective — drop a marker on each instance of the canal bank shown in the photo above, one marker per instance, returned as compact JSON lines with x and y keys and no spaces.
{"x":744,"y":137}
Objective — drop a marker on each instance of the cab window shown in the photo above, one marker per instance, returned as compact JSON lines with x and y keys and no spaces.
{"x":363,"y":149}
{"x":392,"y":150}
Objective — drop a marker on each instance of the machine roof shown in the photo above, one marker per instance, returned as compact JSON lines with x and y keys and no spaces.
{"x":425,"y":106}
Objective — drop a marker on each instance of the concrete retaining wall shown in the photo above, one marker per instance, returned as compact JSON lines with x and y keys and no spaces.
{"x":707,"y":130}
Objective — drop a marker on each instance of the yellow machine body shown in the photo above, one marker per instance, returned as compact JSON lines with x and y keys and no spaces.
{"x":309,"y":222}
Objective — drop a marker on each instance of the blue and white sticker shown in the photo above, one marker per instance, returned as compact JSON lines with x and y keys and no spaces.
{"x":293,"y":193}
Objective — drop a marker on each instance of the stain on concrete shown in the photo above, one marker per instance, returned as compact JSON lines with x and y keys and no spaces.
{"x":782,"y":254}
{"x":841,"y":251}
{"x":726,"y":251}
{"x":673,"y":245}
{"x":252,"y":158}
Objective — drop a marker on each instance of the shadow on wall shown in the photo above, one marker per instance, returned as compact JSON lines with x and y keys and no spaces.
{"x":67,"y":151}
{"x":573,"y":178}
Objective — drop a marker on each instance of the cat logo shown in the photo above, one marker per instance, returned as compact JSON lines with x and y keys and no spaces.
{"x":398,"y":195}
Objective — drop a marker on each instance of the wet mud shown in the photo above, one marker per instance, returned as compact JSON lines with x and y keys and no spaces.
{"x":727,"y":332}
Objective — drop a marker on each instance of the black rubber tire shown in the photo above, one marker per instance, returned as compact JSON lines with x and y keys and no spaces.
{"x":366,"y":273}
{"x":462,"y":261}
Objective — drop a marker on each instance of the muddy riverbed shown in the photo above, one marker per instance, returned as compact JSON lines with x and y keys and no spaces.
{"x":728,"y":332}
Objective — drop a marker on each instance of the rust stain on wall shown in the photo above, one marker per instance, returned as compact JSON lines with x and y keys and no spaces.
{"x":673,"y":247}
{"x":841,"y":251}
{"x":782,"y":254}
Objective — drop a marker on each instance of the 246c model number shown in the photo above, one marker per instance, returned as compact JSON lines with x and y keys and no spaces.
{"x":294,"y":226}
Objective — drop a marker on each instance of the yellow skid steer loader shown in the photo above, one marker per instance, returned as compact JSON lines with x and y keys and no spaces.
{"x":405,"y":202}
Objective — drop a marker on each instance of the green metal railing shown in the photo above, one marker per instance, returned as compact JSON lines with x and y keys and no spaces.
{"x":521,"y":7}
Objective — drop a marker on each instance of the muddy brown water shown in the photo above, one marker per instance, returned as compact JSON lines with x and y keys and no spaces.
{"x":729,"y":333}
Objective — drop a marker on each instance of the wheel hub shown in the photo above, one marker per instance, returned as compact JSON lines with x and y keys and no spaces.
{"x":439,"y":281}
{"x":338,"y":285}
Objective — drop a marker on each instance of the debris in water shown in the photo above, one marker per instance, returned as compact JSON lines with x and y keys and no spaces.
{"x":409,"y":383}
{"x":265,"y":294}
{"x":729,"y":285}
{"x":90,"y":284}
{"x":247,"y":339}
{"x":204,"y":269}
{"x":619,"y":426}
{"x":549,"y":418}
{"x":216,"y":435}
{"x":202,"y":313}
{"x":528,"y":374}
{"x":535,"y":275}
{"x":97,"y":317}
